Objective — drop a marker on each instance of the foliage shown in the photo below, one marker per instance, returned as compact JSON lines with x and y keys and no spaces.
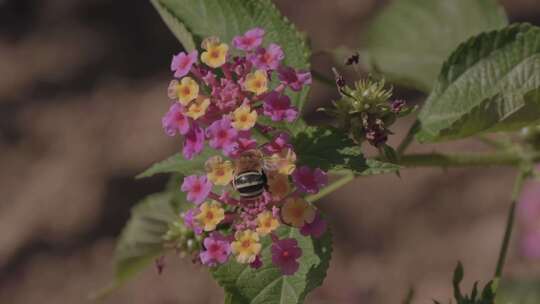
{"x":506,"y":99}
{"x":331,"y":149}
{"x":267,"y":284}
{"x":519,"y":291}
{"x":486,"y":297}
{"x":410,"y":39}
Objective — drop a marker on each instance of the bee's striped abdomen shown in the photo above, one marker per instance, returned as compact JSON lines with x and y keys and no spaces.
{"x":250,"y":184}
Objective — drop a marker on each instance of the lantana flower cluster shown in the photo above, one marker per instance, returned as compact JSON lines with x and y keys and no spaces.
{"x":223,"y":97}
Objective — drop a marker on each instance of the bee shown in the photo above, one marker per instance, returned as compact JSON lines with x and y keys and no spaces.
{"x":251,"y":167}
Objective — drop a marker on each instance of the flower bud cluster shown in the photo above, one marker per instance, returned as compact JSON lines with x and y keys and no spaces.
{"x":367,"y":110}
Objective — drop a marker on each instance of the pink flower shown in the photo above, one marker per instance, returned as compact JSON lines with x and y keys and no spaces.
{"x":197,"y":188}
{"x":529,"y":219}
{"x":308,"y":180}
{"x":250,"y":40}
{"x":193,"y":142}
{"x":175,"y":121}
{"x":222,"y":135}
{"x":244,"y":142}
{"x":190,"y":222}
{"x":530,"y":244}
{"x":315,"y":228}
{"x":285,"y":254}
{"x":217,"y":250}
{"x":279,"y":107}
{"x":294,"y":79}
{"x":277,"y":144}
{"x":529,"y":204}
{"x":181,"y":63}
{"x":267,"y":59}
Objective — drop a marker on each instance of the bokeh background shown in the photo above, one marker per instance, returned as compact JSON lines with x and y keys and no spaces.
{"x":82,"y":90}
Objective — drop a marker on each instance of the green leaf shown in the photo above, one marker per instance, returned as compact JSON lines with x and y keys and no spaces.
{"x":487,"y":296}
{"x":330,"y":149}
{"x":226,"y":19}
{"x":410,"y":39}
{"x":176,"y":26}
{"x":490,"y":83}
{"x":375,"y":167}
{"x":179,"y":164}
{"x":267,"y":285}
{"x":141,"y":240}
{"x":519,"y":291}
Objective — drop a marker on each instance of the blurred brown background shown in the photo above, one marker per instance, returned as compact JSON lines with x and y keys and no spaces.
{"x":82,"y":90}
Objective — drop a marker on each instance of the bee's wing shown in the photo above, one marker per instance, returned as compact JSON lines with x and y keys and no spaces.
{"x":278,"y":163}
{"x":271,"y":163}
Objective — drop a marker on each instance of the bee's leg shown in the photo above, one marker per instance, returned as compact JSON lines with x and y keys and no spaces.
{"x":265,"y":180}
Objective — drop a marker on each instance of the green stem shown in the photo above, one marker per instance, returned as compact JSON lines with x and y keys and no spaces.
{"x":347,"y":176}
{"x":510,"y":159}
{"x":323,"y":79}
{"x":407,"y":141}
{"x":508,"y":230}
{"x":495,"y":143}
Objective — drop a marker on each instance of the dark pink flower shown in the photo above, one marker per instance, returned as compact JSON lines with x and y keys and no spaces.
{"x":250,"y":40}
{"x":217,"y":250}
{"x":222,"y":134}
{"x":241,"y":66}
{"x":278,"y":107}
{"x":181,"y":63}
{"x":257,"y":263}
{"x":277,"y":144}
{"x":285,"y":254}
{"x":267,"y":59}
{"x":308,"y":180}
{"x":226,"y":95}
{"x":315,"y":228}
{"x":193,"y":142}
{"x":197,"y":188}
{"x":190,"y":222}
{"x":294,"y":79}
{"x":175,"y":121}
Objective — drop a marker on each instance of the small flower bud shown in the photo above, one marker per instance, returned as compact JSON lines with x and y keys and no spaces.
{"x":353,"y":59}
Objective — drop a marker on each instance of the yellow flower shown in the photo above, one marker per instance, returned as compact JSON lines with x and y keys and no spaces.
{"x":296,"y":212}
{"x":219,"y":172}
{"x":211,"y":215}
{"x":198,"y":108}
{"x":187,"y":90}
{"x":246,"y":247}
{"x":243,"y":118}
{"x":266,"y":223}
{"x":216,"y":53}
{"x":283,"y":162}
{"x":278,"y":185}
{"x":256,"y":82}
